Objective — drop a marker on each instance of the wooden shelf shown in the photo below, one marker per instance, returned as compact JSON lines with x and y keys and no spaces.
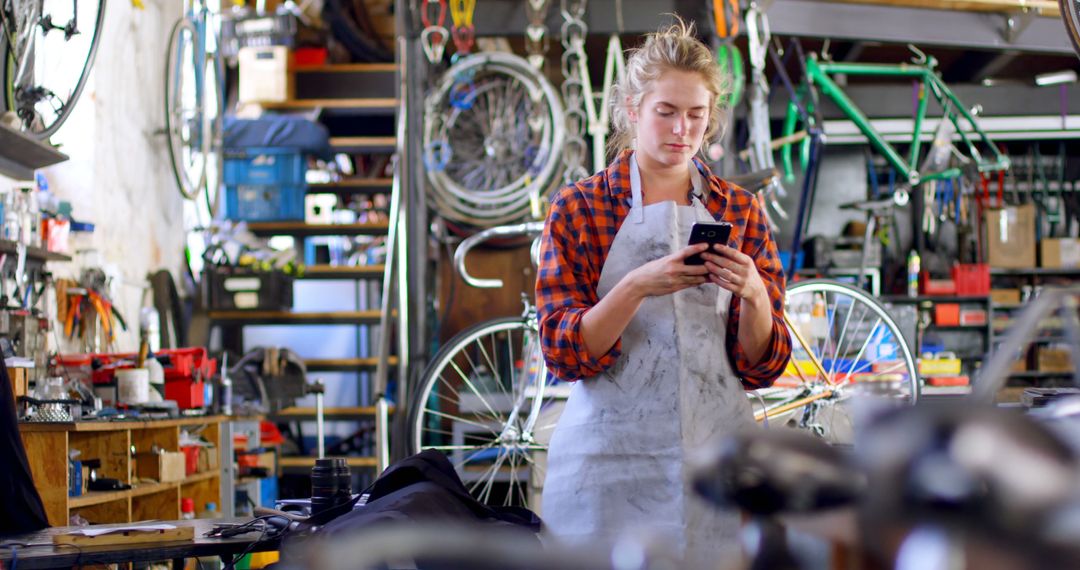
{"x":385,"y":104}
{"x":300,"y":229}
{"x":346,"y":68}
{"x":346,"y":412}
{"x":98,"y":497}
{"x":48,"y":447}
{"x":287,"y":318}
{"x":308,"y":462}
{"x":982,"y":327}
{"x":343,"y":272}
{"x":345,"y":364}
{"x":353,"y":186}
{"x":37,"y":253}
{"x":21,"y":155}
{"x":119,"y":425}
{"x":363,"y":144}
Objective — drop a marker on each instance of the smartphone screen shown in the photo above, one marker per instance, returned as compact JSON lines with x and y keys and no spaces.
{"x":710,"y":233}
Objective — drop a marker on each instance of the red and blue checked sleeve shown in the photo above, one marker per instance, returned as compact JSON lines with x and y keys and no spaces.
{"x":745,"y":212}
{"x":571,"y":255}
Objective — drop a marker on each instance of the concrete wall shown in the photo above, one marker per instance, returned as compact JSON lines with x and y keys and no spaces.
{"x":119,"y":177}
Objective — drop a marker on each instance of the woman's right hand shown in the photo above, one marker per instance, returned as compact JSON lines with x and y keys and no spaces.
{"x":669,"y":274}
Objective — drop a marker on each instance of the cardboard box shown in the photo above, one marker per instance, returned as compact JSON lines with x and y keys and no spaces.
{"x":208,"y":458}
{"x":164,"y":467}
{"x":1010,"y":237}
{"x":1054,"y":360}
{"x":20,"y":381}
{"x":1005,"y":296}
{"x":1059,"y":252}
{"x":264,"y":74}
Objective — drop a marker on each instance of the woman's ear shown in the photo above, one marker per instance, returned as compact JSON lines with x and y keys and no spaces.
{"x":631,"y":112}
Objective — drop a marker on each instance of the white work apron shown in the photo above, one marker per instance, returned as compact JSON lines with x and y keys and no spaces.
{"x":617,"y":457}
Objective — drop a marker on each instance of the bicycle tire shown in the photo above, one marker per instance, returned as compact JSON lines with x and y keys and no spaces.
{"x":188,"y":189}
{"x":7,"y":81}
{"x":451,"y":405}
{"x":891,"y":373}
{"x":1070,"y":14}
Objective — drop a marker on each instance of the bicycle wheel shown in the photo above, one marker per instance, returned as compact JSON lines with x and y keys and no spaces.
{"x":40,"y":39}
{"x":860,"y":349}
{"x":486,"y":401}
{"x":186,"y":120}
{"x":1070,"y":13}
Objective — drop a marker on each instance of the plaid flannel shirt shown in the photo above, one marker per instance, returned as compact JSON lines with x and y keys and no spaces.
{"x":580,"y":228}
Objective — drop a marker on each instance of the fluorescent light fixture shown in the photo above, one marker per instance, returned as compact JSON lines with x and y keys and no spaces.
{"x":1055,"y":78}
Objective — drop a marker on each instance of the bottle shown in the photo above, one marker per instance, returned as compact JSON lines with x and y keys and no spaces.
{"x":819,"y":319}
{"x":210,"y":511}
{"x":187,"y":508}
{"x":913,"y":267}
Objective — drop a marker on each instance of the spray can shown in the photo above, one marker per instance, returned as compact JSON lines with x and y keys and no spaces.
{"x":913,"y":267}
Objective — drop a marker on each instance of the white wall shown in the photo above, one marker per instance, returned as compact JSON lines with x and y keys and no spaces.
{"x":119,"y":177}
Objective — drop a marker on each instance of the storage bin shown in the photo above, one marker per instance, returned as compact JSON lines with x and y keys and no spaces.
{"x":264,"y":184}
{"x":241,"y":288}
{"x":946,"y":314}
{"x":972,"y":279}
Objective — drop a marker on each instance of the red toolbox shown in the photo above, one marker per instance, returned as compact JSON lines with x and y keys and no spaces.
{"x":946,"y":314}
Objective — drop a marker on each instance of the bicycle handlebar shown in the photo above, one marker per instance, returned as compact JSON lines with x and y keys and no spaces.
{"x":531,"y":229}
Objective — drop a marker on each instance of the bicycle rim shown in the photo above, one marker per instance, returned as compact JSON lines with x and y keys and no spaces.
{"x":861,"y":349}
{"x":1070,"y":13}
{"x":43,"y":114}
{"x":185,"y":121}
{"x":485,"y":400}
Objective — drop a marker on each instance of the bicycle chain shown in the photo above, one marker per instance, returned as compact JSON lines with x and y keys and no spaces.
{"x":574,"y":31}
{"x":536,"y":38}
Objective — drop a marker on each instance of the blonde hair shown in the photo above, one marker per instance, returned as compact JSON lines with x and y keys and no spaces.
{"x":672,"y":48}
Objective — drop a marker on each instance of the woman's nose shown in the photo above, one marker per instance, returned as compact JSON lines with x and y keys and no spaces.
{"x":680,"y":125}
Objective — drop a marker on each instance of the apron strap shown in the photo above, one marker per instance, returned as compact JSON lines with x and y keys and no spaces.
{"x":636,"y":204}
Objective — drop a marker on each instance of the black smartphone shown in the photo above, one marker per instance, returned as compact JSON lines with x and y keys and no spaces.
{"x":710,"y":233}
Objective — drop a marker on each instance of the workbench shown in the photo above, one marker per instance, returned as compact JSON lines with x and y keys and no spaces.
{"x":36,"y":549}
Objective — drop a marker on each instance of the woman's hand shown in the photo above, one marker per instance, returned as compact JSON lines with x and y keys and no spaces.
{"x":735,"y":271}
{"x":669,"y":274}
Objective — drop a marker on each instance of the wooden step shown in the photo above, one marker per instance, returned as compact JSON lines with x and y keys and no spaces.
{"x":309,"y":462}
{"x":345,"y":364}
{"x":289,"y":318}
{"x":343,"y":271}
{"x":354,"y":186}
{"x":298,"y":412}
{"x":347,"y":68}
{"x":301,"y":229}
{"x":364,"y":144}
{"x":384,"y":104}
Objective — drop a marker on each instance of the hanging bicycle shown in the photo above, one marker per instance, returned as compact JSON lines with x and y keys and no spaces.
{"x":194,"y":102}
{"x":492,"y":133}
{"x":48,"y":49}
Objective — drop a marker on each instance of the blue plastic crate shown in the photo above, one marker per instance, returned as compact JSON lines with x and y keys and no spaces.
{"x":281,"y":166}
{"x":264,"y":203}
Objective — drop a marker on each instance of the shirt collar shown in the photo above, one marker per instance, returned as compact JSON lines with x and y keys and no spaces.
{"x":618,"y":176}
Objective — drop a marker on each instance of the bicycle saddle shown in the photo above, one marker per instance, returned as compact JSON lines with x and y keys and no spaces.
{"x":985,"y":470}
{"x":776,"y":471}
{"x":753,"y":181}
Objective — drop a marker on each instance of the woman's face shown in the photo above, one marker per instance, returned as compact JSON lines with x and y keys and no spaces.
{"x":671,"y":121}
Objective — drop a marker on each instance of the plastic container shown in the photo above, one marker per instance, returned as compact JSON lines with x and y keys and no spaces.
{"x":187,"y":508}
{"x":972,"y":279}
{"x":265,"y":183}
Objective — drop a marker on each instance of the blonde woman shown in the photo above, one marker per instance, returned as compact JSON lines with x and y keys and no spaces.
{"x":661,"y":351}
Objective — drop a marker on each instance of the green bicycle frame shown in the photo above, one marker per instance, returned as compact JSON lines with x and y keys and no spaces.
{"x":819,"y":74}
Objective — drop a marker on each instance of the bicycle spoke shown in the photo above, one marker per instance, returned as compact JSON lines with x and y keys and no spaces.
{"x":463,"y":420}
{"x":465,"y":380}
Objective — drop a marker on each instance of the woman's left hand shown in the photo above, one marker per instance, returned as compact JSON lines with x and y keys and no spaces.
{"x":735,"y":271}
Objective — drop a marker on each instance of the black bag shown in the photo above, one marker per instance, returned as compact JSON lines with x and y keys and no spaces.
{"x":22,"y":508}
{"x":425,"y":487}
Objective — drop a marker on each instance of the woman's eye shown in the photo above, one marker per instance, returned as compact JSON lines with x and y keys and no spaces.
{"x":697,"y":115}
{"x":664,"y":113}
